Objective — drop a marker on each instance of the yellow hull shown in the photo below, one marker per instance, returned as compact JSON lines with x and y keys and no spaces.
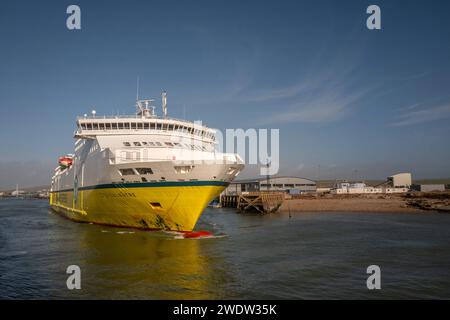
{"x":157,"y":207}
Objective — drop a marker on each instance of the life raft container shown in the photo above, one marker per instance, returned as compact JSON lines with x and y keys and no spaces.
{"x":65,"y":162}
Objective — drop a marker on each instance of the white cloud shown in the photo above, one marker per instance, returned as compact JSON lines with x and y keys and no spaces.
{"x":322,"y":105}
{"x":423,"y":115}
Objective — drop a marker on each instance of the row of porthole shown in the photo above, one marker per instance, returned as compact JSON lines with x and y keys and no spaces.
{"x":145,"y":171}
{"x":132,"y":172}
{"x":168,"y":144}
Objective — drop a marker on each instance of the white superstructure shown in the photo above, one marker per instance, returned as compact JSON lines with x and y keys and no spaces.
{"x":144,"y":148}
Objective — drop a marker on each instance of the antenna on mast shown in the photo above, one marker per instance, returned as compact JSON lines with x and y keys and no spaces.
{"x":164,"y":103}
{"x":137,"y":88}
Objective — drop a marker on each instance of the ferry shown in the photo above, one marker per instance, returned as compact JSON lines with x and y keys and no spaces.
{"x":142,"y":171}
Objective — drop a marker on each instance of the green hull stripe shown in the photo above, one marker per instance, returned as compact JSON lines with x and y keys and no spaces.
{"x":151,"y":185}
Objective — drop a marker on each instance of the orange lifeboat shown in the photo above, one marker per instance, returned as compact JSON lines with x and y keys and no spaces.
{"x":65,"y":161}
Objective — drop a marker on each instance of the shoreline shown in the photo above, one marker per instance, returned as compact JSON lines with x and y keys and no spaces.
{"x":393,"y":203}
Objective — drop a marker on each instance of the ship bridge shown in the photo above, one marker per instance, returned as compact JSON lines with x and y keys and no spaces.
{"x":145,"y":121}
{"x":93,"y":126}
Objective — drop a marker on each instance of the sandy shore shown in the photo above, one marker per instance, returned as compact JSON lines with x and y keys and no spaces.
{"x":368,"y":203}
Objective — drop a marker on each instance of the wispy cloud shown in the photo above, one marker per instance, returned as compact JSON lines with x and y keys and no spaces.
{"x":325,"y":106}
{"x":327,"y":92}
{"x":423,"y":115}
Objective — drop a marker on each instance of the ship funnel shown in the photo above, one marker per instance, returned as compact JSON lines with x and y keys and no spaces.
{"x":164,"y":103}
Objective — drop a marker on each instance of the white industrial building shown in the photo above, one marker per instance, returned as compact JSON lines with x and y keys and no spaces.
{"x":358,"y":188}
{"x":398,"y":183}
{"x":17,"y":193}
{"x":429,"y":187}
{"x":400,"y":180}
{"x":293,"y":185}
{"x":355,"y":188}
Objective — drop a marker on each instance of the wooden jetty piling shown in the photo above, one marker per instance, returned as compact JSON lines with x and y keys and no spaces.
{"x":261,"y":202}
{"x":229,"y":201}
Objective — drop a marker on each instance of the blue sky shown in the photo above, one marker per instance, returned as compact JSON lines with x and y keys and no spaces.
{"x":349,"y":102}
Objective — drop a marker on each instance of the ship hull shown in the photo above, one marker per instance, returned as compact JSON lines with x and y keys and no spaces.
{"x":174,"y":206}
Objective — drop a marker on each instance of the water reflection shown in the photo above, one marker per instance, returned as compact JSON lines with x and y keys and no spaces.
{"x":151,"y":265}
{"x":261,"y":257}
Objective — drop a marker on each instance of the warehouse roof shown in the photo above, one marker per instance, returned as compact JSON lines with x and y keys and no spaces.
{"x":265,"y":179}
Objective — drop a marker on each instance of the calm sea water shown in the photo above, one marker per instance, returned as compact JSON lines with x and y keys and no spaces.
{"x":311,"y":256}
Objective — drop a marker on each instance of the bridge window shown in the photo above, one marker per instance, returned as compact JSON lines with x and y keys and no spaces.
{"x":137,"y":144}
{"x":126,"y":172}
{"x":144,"y":170}
{"x":146,"y":125}
{"x":120,"y":125}
{"x":127,"y":144}
{"x":183,"y":169}
{"x":126,"y":125}
{"x":114,"y":126}
{"x":170,"y":144}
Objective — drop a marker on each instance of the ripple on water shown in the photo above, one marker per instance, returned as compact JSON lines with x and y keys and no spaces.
{"x":306,"y":256}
